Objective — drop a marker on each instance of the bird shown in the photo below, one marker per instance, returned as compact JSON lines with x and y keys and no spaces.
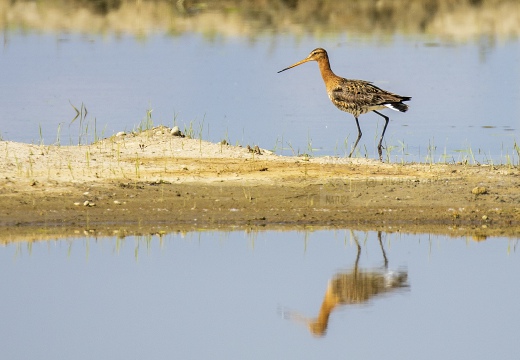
{"x":356,"y":97}
{"x":355,"y":286}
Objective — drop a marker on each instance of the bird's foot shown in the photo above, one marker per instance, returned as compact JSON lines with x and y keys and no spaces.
{"x":380,"y":152}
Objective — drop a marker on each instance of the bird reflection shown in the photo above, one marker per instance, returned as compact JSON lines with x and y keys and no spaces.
{"x":356,"y":286}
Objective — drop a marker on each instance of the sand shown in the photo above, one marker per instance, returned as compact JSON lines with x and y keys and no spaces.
{"x":154,"y":182}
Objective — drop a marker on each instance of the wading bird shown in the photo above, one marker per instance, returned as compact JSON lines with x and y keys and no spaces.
{"x":357,"y":286}
{"x":355,"y":96}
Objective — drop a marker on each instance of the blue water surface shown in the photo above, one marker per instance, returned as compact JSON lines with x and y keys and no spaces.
{"x":226,"y":295}
{"x":465,"y":97}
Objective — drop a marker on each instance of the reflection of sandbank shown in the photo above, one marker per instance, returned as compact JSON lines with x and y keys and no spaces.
{"x":356,"y":286}
{"x":459,"y":21}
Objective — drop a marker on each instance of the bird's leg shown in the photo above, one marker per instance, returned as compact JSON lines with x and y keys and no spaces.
{"x":358,"y":137}
{"x":380,"y":146}
{"x":382,"y":248}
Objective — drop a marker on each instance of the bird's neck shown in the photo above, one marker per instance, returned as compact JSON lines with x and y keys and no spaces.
{"x":330,"y":301}
{"x":325,"y":70}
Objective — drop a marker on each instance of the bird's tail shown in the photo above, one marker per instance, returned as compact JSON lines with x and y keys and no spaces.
{"x":399,"y":105}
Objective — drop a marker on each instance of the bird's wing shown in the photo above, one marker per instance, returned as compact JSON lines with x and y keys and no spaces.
{"x":361,"y":92}
{"x":357,"y":92}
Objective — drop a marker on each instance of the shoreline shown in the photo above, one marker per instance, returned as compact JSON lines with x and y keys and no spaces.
{"x":153,"y":183}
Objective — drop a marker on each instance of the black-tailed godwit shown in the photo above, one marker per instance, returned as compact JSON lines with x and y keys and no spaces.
{"x":355,"y":96}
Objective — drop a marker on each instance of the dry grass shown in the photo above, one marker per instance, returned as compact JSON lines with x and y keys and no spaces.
{"x":457,"y":20}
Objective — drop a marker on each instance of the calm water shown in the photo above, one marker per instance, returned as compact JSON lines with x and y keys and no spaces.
{"x":228,"y":296}
{"x":466,"y":97}
{"x":257,"y":295}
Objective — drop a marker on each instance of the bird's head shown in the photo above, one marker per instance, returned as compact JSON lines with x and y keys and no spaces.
{"x":315,"y":55}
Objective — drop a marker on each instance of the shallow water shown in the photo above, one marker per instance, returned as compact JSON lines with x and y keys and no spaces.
{"x":465,"y":92}
{"x":252,"y":295}
{"x":244,"y":295}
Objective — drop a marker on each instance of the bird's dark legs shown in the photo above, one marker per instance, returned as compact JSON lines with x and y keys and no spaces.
{"x":382,"y":248}
{"x":380,"y":146}
{"x":358,"y":137}
{"x":358,"y":249}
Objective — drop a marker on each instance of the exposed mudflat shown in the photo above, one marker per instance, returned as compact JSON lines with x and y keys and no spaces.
{"x":154,"y":182}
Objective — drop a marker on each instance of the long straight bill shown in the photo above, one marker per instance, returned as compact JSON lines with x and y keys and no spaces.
{"x":293,"y":65}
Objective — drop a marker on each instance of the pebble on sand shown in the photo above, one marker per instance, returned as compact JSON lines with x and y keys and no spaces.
{"x":479,"y":190}
{"x":175,"y":131}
